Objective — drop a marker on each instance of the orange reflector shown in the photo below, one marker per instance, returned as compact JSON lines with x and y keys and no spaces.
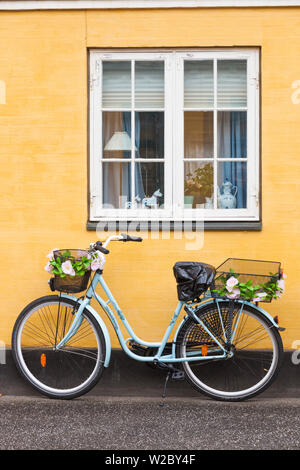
{"x":204,"y":350}
{"x":43,"y":360}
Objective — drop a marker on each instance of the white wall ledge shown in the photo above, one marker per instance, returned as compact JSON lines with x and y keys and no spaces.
{"x":125,"y":4}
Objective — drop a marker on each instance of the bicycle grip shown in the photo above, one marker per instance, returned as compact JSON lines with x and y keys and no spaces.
{"x":98,"y":246}
{"x":129,"y":238}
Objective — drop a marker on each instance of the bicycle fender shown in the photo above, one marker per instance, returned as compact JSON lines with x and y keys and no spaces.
{"x":101,"y":324}
{"x":250,"y":304}
{"x":266,"y":314}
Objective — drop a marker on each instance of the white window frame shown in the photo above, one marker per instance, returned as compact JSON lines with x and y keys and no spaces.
{"x":124,"y":4}
{"x":174,"y":143}
{"x":97,"y":211}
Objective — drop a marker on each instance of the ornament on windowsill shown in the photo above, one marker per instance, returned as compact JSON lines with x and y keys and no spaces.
{"x":227,"y":199}
{"x":152,"y":202}
{"x":136,"y":203}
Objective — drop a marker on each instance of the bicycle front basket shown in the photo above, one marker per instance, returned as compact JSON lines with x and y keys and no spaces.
{"x":70,"y":284}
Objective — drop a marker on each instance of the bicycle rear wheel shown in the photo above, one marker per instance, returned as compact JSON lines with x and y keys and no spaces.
{"x":256,"y":352}
{"x":70,"y":371}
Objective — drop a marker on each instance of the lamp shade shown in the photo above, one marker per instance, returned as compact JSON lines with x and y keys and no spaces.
{"x":119,"y":141}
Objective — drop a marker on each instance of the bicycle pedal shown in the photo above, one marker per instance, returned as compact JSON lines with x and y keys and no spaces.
{"x":177,"y":375}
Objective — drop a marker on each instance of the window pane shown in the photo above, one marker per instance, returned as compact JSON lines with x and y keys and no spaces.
{"x":198,"y":84}
{"x":232,"y":134}
{"x":232,"y":83}
{"x":116,"y":85}
{"x":149,"y":134}
{"x":116,"y":185}
{"x":149,"y":84}
{"x":198,"y":185}
{"x":149,"y":184}
{"x":232,"y":185}
{"x":198,"y":134}
{"x":116,"y":134}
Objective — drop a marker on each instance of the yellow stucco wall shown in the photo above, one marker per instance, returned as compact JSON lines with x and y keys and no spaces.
{"x":43,"y":152}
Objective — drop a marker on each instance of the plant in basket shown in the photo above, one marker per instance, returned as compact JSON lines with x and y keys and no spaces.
{"x":233,"y":288}
{"x":72,"y":268}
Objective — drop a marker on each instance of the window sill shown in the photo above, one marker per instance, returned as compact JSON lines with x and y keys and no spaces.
{"x":172,"y":226}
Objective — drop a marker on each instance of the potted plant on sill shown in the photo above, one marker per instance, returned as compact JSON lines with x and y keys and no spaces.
{"x":198,"y":186}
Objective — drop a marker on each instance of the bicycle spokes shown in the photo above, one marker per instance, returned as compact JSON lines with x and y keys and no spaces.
{"x":64,"y":368}
{"x":250,"y":345}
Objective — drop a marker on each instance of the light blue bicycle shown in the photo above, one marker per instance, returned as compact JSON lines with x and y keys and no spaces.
{"x":227,"y":349}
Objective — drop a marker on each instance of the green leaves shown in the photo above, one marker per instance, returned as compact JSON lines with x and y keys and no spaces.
{"x":200,"y":182}
{"x":65,"y":264}
{"x":247,"y":289}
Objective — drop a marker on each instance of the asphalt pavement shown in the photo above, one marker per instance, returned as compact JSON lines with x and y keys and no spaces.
{"x":118,"y":423}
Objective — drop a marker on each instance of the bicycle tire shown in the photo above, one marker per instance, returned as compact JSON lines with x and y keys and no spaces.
{"x":207,"y":376}
{"x":56,"y":374}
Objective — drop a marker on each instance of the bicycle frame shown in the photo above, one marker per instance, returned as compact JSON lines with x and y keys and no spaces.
{"x":160,"y":346}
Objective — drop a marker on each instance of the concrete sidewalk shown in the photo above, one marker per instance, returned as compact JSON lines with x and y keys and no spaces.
{"x":141,"y":424}
{"x":123,"y":412}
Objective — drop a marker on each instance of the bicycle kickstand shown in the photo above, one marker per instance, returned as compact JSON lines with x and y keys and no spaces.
{"x":165,"y":388}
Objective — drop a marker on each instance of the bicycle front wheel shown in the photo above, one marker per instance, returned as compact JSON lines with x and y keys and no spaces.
{"x":252,"y":363}
{"x":69,"y":371}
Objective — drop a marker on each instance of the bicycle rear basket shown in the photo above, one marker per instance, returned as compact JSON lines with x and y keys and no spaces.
{"x":254,"y":273}
{"x":70,"y":283}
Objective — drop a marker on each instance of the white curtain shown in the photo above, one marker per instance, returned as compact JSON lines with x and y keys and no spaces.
{"x":116,"y":176}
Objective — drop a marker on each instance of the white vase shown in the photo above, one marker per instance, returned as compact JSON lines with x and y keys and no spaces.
{"x":208,"y":203}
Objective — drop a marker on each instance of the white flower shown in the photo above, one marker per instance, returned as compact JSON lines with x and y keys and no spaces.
{"x":100,"y":258}
{"x":81,"y":253}
{"x":68,"y":268}
{"x":49,"y":267}
{"x":281,"y":285}
{"x":95,"y":265}
{"x":231,"y":283}
{"x":51,"y":254}
{"x":235,"y":293}
{"x":259,"y":297}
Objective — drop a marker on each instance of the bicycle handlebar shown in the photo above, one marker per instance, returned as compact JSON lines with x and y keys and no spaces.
{"x":124,"y":237}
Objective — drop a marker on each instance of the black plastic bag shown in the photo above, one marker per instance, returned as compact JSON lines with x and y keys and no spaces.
{"x":193,"y":279}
